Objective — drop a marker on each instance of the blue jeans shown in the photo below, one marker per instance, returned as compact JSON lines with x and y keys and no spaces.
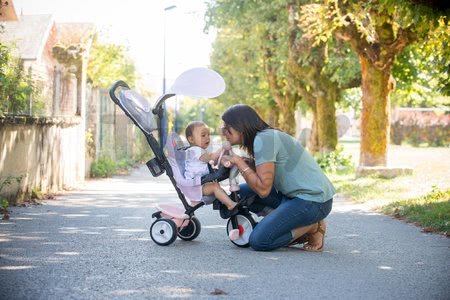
{"x":274,"y":231}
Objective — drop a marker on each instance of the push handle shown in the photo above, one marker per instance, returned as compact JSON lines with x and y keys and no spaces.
{"x":114,"y":87}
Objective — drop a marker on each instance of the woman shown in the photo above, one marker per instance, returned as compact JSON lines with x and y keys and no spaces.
{"x":287,"y":182}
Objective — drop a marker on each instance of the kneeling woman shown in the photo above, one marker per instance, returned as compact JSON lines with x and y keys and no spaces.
{"x":289,"y":186}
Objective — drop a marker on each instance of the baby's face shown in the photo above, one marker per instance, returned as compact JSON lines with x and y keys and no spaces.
{"x":200,"y":137}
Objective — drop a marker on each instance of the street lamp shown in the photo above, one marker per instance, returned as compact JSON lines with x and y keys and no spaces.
{"x":164,"y":117}
{"x":175,"y":123}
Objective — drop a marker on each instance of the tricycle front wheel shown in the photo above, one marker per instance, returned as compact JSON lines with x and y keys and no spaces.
{"x":191,"y":230}
{"x":245,"y":224}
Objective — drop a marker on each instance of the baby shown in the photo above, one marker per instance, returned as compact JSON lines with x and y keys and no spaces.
{"x":197,"y":159}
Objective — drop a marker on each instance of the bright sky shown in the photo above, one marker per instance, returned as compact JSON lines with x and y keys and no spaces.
{"x":139,"y":24}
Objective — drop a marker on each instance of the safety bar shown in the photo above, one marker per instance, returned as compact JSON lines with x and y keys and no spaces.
{"x":157,"y":109}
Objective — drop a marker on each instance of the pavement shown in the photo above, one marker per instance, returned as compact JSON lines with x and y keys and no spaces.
{"x":94,"y":243}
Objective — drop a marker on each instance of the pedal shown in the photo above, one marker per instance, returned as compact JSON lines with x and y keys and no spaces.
{"x":216,"y":204}
{"x":234,"y":234}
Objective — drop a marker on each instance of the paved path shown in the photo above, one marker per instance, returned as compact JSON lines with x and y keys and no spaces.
{"x":94,"y":244}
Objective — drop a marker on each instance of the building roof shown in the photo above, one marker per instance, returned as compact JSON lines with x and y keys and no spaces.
{"x":74,"y":33}
{"x":29,"y":34}
{"x":7,"y":11}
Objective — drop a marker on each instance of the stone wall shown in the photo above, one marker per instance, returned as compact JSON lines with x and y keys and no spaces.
{"x":48,"y":153}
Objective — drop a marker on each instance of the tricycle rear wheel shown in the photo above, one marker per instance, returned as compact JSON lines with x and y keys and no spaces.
{"x":163,"y":231}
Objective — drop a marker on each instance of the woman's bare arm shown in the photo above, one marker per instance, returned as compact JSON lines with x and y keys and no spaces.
{"x":259,"y":180}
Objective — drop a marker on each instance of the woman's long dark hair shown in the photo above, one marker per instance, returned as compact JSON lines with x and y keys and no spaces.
{"x":245,"y":120}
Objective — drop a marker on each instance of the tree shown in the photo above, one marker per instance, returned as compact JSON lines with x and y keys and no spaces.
{"x":241,"y":67}
{"x":108,"y":63}
{"x":377,"y":32}
{"x":245,"y":51}
{"x":265,"y":40}
{"x":321,"y":72}
{"x":422,"y":71}
{"x":16,"y":87}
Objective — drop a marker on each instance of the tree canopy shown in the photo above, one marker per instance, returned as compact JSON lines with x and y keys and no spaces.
{"x":269,"y":63}
{"x":108,"y":62}
{"x":274,"y":54}
{"x":16,"y":86}
{"x":378,"y":31}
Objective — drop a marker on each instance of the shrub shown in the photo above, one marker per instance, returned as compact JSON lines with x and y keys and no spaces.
{"x":16,"y":86}
{"x":417,"y":128}
{"x":105,"y":166}
{"x":334,"y":161}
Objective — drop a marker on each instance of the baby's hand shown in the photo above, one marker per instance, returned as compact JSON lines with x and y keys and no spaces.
{"x":226,"y":146}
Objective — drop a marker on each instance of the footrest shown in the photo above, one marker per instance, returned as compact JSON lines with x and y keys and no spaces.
{"x":173,"y":211}
{"x":247,"y":201}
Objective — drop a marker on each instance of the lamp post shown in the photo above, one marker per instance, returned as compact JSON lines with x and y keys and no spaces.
{"x":164,"y":117}
{"x":202,"y":113}
{"x":175,"y":123}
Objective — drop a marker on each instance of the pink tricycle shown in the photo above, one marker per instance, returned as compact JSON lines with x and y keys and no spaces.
{"x":179,"y":220}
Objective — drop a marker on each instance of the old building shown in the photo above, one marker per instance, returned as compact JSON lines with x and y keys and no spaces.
{"x":47,"y":149}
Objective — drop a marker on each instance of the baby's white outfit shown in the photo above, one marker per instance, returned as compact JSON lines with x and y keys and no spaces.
{"x":194,"y":167}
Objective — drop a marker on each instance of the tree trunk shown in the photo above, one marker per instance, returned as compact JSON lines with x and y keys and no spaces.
{"x":326,"y":120}
{"x":377,"y":86}
{"x":285,"y":97}
{"x":314,"y":139}
{"x":286,"y":116}
{"x":286,"y":121}
{"x":314,"y":88}
{"x":377,"y":58}
{"x":271,"y":117}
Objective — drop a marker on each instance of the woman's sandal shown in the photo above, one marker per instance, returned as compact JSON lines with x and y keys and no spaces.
{"x":300,"y":240}
{"x":321,"y":228}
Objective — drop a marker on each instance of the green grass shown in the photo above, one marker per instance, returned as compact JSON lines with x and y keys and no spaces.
{"x":431,"y":211}
{"x":422,"y":198}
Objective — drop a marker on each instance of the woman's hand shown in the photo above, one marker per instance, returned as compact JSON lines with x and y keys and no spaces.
{"x":229,"y":159}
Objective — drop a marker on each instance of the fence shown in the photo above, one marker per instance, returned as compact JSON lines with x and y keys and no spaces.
{"x":110,"y":132}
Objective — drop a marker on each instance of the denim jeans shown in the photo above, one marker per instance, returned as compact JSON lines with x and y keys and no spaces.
{"x":274,"y":231}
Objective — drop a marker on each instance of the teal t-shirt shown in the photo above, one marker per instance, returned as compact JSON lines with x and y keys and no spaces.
{"x":297,"y":174}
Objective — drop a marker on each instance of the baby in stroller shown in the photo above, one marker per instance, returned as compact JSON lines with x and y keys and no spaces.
{"x":198,"y":162}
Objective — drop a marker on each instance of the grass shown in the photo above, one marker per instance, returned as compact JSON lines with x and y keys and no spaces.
{"x":431,"y":211}
{"x":422,"y":198}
